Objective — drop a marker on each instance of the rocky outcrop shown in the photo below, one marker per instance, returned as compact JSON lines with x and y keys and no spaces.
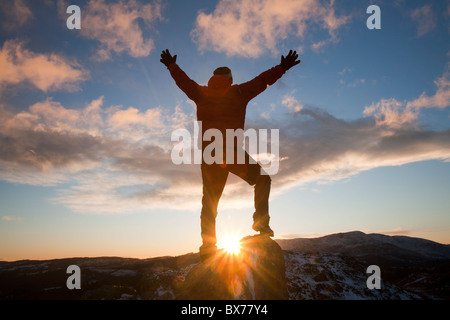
{"x":266,"y":267}
{"x":257,"y":273}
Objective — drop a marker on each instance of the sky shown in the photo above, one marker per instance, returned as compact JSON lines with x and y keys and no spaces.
{"x":86,"y":117}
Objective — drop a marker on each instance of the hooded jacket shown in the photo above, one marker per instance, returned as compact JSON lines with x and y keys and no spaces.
{"x":220,"y":104}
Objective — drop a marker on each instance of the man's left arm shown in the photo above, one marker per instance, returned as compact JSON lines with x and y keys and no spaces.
{"x":254,"y":87}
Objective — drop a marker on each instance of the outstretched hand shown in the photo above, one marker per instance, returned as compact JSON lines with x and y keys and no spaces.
{"x":290,"y":60}
{"x":167,"y":59}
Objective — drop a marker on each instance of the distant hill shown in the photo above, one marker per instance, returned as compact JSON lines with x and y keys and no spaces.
{"x":416,"y":268}
{"x":330,"y":267}
{"x":373,"y":247}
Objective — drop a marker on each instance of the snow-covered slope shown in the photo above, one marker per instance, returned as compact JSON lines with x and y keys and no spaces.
{"x":334,"y":276}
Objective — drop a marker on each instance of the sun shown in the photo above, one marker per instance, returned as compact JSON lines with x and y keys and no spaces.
{"x":231,"y":244}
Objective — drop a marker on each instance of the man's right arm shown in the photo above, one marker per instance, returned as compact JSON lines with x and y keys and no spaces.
{"x":188,"y":86}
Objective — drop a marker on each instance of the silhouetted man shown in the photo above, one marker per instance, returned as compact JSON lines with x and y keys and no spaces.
{"x":221,"y":105}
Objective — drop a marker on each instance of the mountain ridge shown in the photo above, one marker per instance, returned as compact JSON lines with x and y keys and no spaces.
{"x":360,"y":244}
{"x":328,"y":267}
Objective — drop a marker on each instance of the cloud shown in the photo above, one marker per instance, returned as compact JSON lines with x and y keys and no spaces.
{"x":424,"y":18}
{"x":345,"y":70}
{"x":118,"y":26}
{"x":352,"y":83}
{"x":47,"y":72}
{"x":9,"y":218}
{"x":397,"y":114}
{"x":318,"y":148}
{"x":399,"y":231}
{"x":249,"y":28}
{"x":14,"y":14}
{"x":391,"y":113}
{"x":441,"y":99}
{"x":396,"y":232}
{"x":115,"y":159}
{"x":123,"y":119}
{"x":107,"y":170}
{"x":291,"y":103}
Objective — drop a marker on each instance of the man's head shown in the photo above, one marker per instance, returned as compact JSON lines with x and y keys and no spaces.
{"x":224,"y":71}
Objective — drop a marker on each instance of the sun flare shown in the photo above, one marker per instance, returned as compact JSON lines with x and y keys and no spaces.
{"x":231,"y":245}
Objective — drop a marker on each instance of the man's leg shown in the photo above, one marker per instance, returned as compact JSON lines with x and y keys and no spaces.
{"x":214,"y":178}
{"x":251,"y":171}
{"x":261,"y":216}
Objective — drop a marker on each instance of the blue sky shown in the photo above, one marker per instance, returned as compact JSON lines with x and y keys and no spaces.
{"x":86,"y":118}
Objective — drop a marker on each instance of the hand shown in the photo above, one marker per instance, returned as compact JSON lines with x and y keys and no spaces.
{"x":290,"y":60}
{"x":167,"y":59}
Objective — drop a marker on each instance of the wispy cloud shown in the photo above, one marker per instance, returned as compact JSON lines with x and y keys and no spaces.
{"x":14,"y":14}
{"x":396,"y":232}
{"x":441,"y":99}
{"x":349,"y":83}
{"x":250,"y":28}
{"x":344,"y":71}
{"x":424,"y":18}
{"x":117,"y":26}
{"x":47,"y":72}
{"x":9,"y":218}
{"x":292,"y":103}
{"x":399,"y":231}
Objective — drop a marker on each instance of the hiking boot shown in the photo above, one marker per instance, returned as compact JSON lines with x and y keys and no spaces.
{"x":263,"y":229}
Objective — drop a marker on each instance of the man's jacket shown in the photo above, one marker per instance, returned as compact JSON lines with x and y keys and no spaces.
{"x":220,"y":104}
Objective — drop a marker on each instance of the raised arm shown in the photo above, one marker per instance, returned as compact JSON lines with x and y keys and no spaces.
{"x":254,"y":87}
{"x":186,"y":84}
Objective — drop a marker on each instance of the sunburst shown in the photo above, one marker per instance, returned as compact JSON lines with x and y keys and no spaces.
{"x":231,"y":244}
